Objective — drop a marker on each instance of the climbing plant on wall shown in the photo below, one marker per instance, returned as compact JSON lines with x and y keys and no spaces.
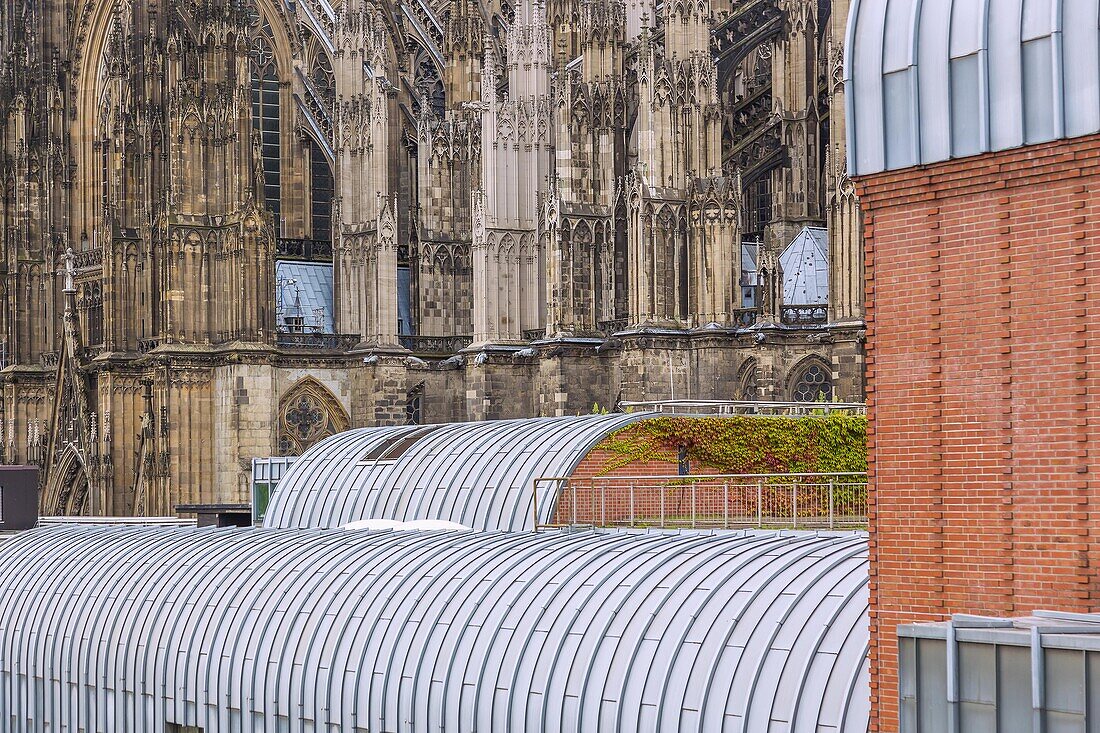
{"x":744,"y":444}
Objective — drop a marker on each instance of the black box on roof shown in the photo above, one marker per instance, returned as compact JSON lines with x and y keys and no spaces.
{"x":18,"y":497}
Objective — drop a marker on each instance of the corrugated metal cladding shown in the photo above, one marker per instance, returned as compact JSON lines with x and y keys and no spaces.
{"x":115,"y":629}
{"x":931,"y":80}
{"x":993,"y":675}
{"x":480,"y":474}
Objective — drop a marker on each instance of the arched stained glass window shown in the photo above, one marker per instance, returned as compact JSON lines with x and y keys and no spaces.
{"x":266,"y":119}
{"x":812,"y":382}
{"x":308,"y":413}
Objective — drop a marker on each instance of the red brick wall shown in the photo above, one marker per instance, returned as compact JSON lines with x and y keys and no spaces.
{"x":983,"y":284}
{"x":594,"y":506}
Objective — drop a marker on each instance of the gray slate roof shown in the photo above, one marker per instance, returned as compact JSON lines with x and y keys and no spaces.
{"x":805,"y":264}
{"x":309,"y":296}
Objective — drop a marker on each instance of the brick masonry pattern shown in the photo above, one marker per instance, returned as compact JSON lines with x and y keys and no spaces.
{"x":981,"y":323}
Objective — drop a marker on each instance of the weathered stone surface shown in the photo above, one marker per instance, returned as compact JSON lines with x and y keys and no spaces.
{"x":500,"y":189}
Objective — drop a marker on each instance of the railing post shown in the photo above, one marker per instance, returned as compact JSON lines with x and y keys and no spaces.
{"x":830,"y":502}
{"x":603,"y":505}
{"x":574,"y":502}
{"x":662,"y":490}
{"x":694,"y":505}
{"x":726,"y":506}
{"x":631,"y":503}
{"x":535,"y":503}
{"x":759,"y":504}
{"x":794,"y":505}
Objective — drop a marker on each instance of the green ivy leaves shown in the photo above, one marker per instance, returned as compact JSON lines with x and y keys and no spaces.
{"x":834,"y":443}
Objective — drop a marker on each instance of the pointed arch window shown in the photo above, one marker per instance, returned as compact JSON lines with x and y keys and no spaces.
{"x":308,"y":413}
{"x":266,"y":119}
{"x":748,"y":383}
{"x":812,"y":381}
{"x":429,"y":85}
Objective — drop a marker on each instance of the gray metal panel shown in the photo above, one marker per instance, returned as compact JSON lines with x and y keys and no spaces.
{"x":480,"y":474}
{"x":984,"y":75}
{"x":1080,"y":18}
{"x":805,"y":264}
{"x":1010,"y":675}
{"x":130,"y":628}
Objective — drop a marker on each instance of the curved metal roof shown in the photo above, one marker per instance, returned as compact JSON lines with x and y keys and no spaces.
{"x":930,"y":80}
{"x":130,"y":628}
{"x":479,"y":474}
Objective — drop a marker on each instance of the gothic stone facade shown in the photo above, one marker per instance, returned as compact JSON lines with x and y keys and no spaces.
{"x":528,"y":209}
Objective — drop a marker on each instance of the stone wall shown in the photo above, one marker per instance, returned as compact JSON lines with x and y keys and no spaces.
{"x":209,"y":412}
{"x":244,"y":427}
{"x":576,"y":376}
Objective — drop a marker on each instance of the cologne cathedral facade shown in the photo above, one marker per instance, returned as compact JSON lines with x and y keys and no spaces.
{"x":233,"y":227}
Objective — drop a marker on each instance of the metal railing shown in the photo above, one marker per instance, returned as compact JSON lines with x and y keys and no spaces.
{"x":332,"y":341}
{"x":803,"y":315}
{"x":307,"y":249}
{"x":823,"y":501}
{"x":125,"y":521}
{"x":435,"y":344}
{"x":734,"y":407}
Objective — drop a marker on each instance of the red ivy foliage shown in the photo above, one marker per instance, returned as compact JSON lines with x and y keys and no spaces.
{"x":833,"y":443}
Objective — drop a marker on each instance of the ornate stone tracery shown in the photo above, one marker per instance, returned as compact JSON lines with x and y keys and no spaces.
{"x":479,"y":176}
{"x":811,"y":381}
{"x":308,"y":413}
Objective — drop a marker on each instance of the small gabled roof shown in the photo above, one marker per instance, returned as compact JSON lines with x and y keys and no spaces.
{"x":805,"y":264}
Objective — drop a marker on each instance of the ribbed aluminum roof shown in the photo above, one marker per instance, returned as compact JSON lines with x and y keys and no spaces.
{"x":931,"y":80}
{"x":480,"y":474}
{"x":326,"y":630}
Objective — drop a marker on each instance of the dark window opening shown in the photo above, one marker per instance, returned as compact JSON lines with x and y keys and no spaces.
{"x":266,"y":121}
{"x":758,"y":214}
{"x":683,"y":464}
{"x":413,"y":409}
{"x":394,"y":447}
{"x":814,"y":383}
{"x":322,"y":188}
{"x":750,"y":391}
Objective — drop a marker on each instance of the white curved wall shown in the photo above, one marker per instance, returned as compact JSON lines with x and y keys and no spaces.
{"x":931,"y":80}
